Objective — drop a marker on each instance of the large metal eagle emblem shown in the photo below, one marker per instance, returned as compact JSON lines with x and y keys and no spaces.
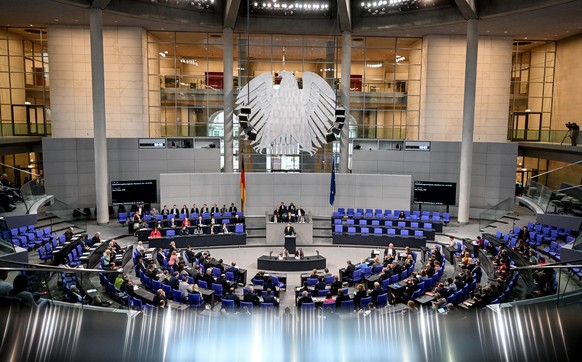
{"x":289,"y":118}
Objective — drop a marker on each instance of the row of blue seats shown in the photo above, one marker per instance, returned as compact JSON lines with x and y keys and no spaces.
{"x":340,"y":229}
{"x":386,"y":223}
{"x":389,"y":214}
{"x":29,"y":238}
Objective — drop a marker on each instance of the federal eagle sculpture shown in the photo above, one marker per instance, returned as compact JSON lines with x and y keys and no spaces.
{"x":289,"y":118}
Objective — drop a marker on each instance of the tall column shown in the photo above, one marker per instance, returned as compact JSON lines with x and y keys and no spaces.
{"x":228,"y":100}
{"x":99,"y":126}
{"x":468,"y":121}
{"x":345,"y":99}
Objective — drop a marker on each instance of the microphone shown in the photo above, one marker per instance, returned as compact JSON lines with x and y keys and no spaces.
{"x":317,"y":251}
{"x":270,"y":253}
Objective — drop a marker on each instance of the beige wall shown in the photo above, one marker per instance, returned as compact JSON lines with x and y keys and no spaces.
{"x":443,"y":88}
{"x":567,"y":86}
{"x":125,"y":81}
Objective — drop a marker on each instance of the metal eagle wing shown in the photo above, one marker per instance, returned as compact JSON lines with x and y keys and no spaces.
{"x":319,"y":102}
{"x":258,"y":96}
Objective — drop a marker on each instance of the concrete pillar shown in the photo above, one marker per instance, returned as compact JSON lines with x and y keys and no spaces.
{"x":468,"y":121}
{"x":228,"y":100}
{"x":99,"y":125}
{"x":345,"y":99}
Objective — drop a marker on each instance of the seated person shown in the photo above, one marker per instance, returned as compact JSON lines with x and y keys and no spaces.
{"x":155,"y":233}
{"x":305,"y":298}
{"x":186,"y":222}
{"x":251,"y":297}
{"x":224,"y":229}
{"x":284,"y":254}
{"x":341,"y":297}
{"x":198,"y":230}
{"x":230,"y":295}
{"x":160,"y":300}
{"x":184,"y":231}
{"x":269,"y":297}
{"x":359,"y":294}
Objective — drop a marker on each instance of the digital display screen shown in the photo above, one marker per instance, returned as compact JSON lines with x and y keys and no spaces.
{"x":134,"y":192}
{"x":435,"y":193}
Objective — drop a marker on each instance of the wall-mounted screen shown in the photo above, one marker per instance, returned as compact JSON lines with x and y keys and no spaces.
{"x":435,"y":193}
{"x":134,"y":192}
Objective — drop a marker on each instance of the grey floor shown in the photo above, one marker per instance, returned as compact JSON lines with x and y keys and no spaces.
{"x":246,"y":256}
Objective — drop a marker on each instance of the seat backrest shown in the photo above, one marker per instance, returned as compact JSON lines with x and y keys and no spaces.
{"x":363,"y":222}
{"x":378,"y":231}
{"x":177,"y":295}
{"x":170,"y":232}
{"x":202,"y":284}
{"x":350,"y":221}
{"x":228,"y":304}
{"x":391,"y":231}
{"x":217,"y":289}
{"x":348,"y":305}
{"x":357,"y":274}
{"x":239,"y":228}
{"x":414,"y":225}
{"x":365,"y":301}
{"x":401,"y":224}
{"x":351,"y":229}
{"x":375,"y":222}
{"x":427,"y":225}
{"x":405,"y":232}
{"x":418,"y":233}
{"x":312,"y":281}
{"x":388,"y":223}
{"x":339,"y":228}
{"x":365,"y":230}
{"x":249,"y":305}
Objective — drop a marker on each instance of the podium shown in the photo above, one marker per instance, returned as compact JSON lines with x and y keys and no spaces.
{"x":290,"y":244}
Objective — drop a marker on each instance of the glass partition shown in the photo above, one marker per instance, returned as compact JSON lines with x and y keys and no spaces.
{"x":32,"y":192}
{"x":495,"y":213}
{"x":539,"y":194}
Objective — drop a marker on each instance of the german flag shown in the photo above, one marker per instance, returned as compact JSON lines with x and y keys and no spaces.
{"x":243,"y":186}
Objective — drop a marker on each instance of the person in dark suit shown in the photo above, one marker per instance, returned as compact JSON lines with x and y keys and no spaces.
{"x":269,"y":297}
{"x":232,"y":208}
{"x":319,"y":286}
{"x":175,"y":211}
{"x":300,"y":215}
{"x":289,"y":231}
{"x":305,"y":298}
{"x":214,"y":209}
{"x":204,"y":209}
{"x":251,"y":297}
{"x":208,"y":278}
{"x":165,"y":211}
{"x":335,"y":286}
{"x":184,"y":210}
{"x":360,"y":293}
{"x":194,"y":210}
{"x":374,"y":293}
{"x":349,"y":272}
{"x":341,"y":297}
{"x":230,"y":295}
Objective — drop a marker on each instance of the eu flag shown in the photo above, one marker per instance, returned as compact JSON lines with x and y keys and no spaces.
{"x":332,"y":183}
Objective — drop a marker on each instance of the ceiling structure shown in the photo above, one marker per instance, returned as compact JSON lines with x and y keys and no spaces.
{"x":519,"y":19}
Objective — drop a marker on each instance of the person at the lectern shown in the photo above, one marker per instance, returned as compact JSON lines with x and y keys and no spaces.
{"x":289,"y":231}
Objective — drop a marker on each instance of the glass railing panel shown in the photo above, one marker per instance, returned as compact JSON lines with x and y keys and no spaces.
{"x":493,"y":214}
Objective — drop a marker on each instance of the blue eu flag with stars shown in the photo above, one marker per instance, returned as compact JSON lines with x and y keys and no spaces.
{"x":332,"y":184}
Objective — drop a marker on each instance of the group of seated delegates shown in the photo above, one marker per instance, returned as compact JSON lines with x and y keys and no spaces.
{"x":20,"y":291}
{"x":192,"y":212}
{"x":107,"y":261}
{"x":183,"y":273}
{"x":291,"y":213}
